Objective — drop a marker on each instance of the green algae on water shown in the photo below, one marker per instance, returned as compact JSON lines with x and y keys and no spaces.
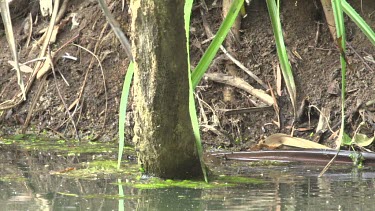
{"x":12,"y":178}
{"x":103,"y":169}
{"x":155,"y":183}
{"x":220,"y":182}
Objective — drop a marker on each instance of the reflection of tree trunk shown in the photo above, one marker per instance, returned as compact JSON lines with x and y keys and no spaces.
{"x":163,"y":133}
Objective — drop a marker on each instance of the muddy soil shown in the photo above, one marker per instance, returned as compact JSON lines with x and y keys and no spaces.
{"x":313,"y":54}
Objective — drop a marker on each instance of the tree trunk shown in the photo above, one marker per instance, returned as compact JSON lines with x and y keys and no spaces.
{"x":164,"y":137}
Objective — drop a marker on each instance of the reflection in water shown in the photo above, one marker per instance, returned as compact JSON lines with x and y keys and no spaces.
{"x":25,"y":184}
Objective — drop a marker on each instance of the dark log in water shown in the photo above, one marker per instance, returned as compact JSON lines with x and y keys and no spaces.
{"x":304,"y":156}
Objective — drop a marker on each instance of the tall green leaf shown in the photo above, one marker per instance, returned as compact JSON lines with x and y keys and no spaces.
{"x":128,"y":77}
{"x":216,"y":42}
{"x":273,"y":11}
{"x":341,"y":41}
{"x":192,"y":109}
{"x":366,"y":29}
{"x":122,"y":112}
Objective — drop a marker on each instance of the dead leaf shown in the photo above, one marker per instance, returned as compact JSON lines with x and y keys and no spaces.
{"x":277,"y":140}
{"x":295,"y":53}
{"x":24,"y":68}
{"x":323,"y":119}
{"x":369,"y":58}
{"x":334,"y":88}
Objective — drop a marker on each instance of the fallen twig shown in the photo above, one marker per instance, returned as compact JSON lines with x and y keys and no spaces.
{"x":241,"y":84}
{"x":245,"y":110}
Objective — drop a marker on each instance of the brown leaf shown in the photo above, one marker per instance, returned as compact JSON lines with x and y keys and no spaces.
{"x":277,"y":140}
{"x":23,"y":68}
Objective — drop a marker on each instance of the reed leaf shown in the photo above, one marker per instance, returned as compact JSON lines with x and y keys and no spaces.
{"x":128,"y":77}
{"x":192,"y":110}
{"x":341,"y":41}
{"x":211,"y":51}
{"x":366,"y":29}
{"x":281,"y":52}
{"x":122,"y":112}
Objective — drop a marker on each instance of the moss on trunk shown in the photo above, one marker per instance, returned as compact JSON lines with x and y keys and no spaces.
{"x":163,"y":134}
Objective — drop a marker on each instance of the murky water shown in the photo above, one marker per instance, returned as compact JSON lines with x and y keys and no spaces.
{"x":26,"y":183}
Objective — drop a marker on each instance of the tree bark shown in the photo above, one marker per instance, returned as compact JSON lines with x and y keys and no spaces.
{"x":164,"y":137}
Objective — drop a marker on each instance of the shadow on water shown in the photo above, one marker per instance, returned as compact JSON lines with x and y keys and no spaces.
{"x":32,"y":179}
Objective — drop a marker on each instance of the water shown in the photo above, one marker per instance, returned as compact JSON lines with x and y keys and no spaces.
{"x":26,"y":183}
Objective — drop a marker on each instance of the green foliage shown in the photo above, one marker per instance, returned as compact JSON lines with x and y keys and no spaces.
{"x":362,"y":140}
{"x":122,"y":112}
{"x":341,"y":39}
{"x":273,"y":11}
{"x":192,"y":110}
{"x":216,"y":42}
{"x":195,"y":77}
{"x":366,"y":29}
{"x":155,"y":183}
{"x":221,"y":181}
{"x":358,"y":139}
{"x":12,"y":177}
{"x":357,"y":159}
{"x":340,"y":6}
{"x":103,"y":165}
{"x":346,"y":140}
{"x":100,"y":169}
{"x":128,"y":77}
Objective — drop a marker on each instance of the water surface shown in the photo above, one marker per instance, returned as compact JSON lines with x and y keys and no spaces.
{"x":28,"y":181}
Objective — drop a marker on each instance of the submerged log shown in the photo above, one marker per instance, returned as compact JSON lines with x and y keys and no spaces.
{"x":321,"y":156}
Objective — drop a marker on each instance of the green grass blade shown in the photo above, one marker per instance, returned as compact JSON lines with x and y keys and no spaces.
{"x":128,"y":77}
{"x":122,"y":112}
{"x":216,"y":42}
{"x":192,"y":111}
{"x":366,"y":29}
{"x":339,"y":19}
{"x":340,"y":33}
{"x":281,"y":52}
{"x":195,"y":125}
{"x":278,"y":8}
